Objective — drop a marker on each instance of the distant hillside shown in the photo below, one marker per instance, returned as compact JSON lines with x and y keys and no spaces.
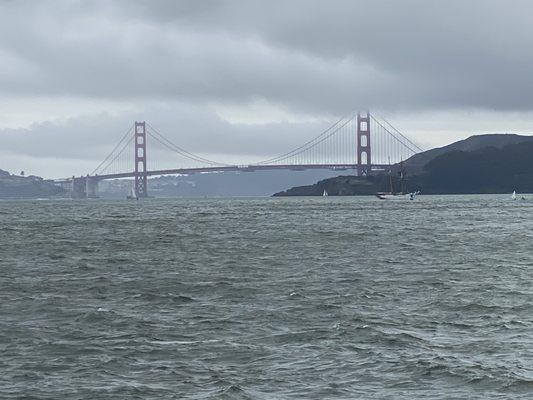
{"x":498,"y":140}
{"x":14,"y":186}
{"x":485,"y":170}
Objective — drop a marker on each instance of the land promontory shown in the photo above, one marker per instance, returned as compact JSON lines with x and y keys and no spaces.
{"x":18,"y":186}
{"x":480,"y":164}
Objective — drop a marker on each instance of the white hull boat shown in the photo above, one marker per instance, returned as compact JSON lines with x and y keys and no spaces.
{"x":403,"y":194}
{"x":397,"y":196}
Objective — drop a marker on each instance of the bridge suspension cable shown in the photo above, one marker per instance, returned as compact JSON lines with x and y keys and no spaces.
{"x":155,"y":134}
{"x":110,"y":157}
{"x":307,"y":146}
{"x":406,"y":139}
{"x":389,"y":146}
{"x":117,"y":156}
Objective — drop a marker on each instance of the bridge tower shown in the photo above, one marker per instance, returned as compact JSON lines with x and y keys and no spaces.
{"x":364,"y":161}
{"x":141,"y":184}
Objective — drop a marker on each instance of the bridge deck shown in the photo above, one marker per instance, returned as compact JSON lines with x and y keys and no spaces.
{"x":231,"y":168}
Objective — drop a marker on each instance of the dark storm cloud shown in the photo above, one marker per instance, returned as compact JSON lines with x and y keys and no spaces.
{"x":177,"y":63}
{"x":315,"y":56}
{"x":432,"y":53}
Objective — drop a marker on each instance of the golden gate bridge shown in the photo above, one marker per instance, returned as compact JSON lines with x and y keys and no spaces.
{"x":361,"y":142}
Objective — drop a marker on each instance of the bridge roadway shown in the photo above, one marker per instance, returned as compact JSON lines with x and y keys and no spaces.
{"x":228,"y":168}
{"x":87,"y":186}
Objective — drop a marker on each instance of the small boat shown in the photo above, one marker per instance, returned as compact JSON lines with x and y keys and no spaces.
{"x":132,"y":195}
{"x":403,"y":194}
{"x":513,"y":196}
{"x":325,"y":194}
{"x":396,"y":196}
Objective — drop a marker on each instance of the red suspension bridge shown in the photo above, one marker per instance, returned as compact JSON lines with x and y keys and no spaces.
{"x":360,"y":142}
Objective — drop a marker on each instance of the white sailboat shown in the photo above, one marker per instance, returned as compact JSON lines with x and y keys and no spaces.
{"x":325,"y":194}
{"x":132,"y":195}
{"x":513,"y":196}
{"x":397,"y":196}
{"x":403,"y":194}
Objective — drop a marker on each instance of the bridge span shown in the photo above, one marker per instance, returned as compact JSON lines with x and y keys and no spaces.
{"x":361,"y":143}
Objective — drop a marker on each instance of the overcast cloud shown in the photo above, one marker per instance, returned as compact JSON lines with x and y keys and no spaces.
{"x":244,"y":79}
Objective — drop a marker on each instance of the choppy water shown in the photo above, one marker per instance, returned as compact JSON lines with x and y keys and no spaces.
{"x":325,"y":298}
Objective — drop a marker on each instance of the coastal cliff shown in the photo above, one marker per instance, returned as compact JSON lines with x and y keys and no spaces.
{"x":15,"y":186}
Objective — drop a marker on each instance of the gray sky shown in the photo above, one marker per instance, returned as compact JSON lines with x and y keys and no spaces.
{"x":244,"y":80}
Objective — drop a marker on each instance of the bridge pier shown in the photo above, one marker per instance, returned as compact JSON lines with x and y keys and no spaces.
{"x":363,"y":170}
{"x":91,"y":187}
{"x":79,"y":188}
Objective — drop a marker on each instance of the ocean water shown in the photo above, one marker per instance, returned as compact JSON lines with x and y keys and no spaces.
{"x":285,"y":298}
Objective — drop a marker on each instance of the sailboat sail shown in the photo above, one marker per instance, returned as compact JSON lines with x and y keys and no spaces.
{"x":132,"y":195}
{"x":392,"y":194}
